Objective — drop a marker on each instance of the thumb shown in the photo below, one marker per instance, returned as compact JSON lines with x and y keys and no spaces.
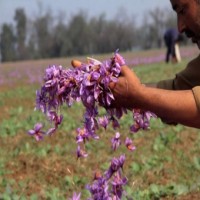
{"x":76,"y":63}
{"x":125,"y":70}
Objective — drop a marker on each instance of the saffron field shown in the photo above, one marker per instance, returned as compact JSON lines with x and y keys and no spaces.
{"x":165,"y":164}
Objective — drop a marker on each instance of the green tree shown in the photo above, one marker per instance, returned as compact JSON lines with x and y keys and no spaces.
{"x":21,"y":20}
{"x":79,"y":34}
{"x":43,"y":27}
{"x":7,"y":43}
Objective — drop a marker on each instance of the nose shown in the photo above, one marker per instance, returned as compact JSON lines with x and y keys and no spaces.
{"x":181,"y":25}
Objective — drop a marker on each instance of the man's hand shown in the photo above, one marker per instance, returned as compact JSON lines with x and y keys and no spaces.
{"x":125,"y":90}
{"x":76,"y":63}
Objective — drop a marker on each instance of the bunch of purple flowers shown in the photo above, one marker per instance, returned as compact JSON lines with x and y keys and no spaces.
{"x":108,"y":186}
{"x":90,"y":85}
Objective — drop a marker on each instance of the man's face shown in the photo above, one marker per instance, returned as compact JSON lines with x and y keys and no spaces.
{"x":188,"y":18}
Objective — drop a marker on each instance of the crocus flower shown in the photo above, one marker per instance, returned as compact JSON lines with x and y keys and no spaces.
{"x":99,"y":189}
{"x":37,"y":132}
{"x":103,"y":121}
{"x":129,"y":144}
{"x":135,"y":127}
{"x":82,"y":135}
{"x":117,"y":185}
{"x":51,"y":131}
{"x":80,"y":153}
{"x":89,"y":84}
{"x":118,"y":58}
{"x":141,"y":119}
{"x":116,"y":142}
{"x":76,"y":196}
{"x":54,"y":117}
{"x":116,"y":164}
{"x":115,"y":123}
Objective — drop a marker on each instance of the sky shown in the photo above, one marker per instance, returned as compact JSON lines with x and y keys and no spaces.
{"x":131,"y":8}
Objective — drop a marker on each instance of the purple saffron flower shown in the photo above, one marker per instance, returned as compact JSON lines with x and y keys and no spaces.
{"x":135,"y":127}
{"x":110,"y":185}
{"x":116,"y":142}
{"x":93,"y":61}
{"x":119,"y":112}
{"x":99,"y":189}
{"x":53,"y":117}
{"x":41,"y":100}
{"x":51,"y":131}
{"x":80,"y":153}
{"x":103,"y":121}
{"x":115,"y":123}
{"x":97,"y":175}
{"x":116,"y":164}
{"x":82,"y":135}
{"x":95,"y":76}
{"x":76,"y":196}
{"x":129,"y":144}
{"x":97,"y":92}
{"x":36,"y":132}
{"x":119,"y":59}
{"x":117,"y":185}
{"x":142,"y":120}
{"x":90,"y":85}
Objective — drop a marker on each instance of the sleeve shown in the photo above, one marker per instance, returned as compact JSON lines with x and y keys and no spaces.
{"x":184,"y":80}
{"x":196,"y":92}
{"x":166,"y":84}
{"x":187,"y":79}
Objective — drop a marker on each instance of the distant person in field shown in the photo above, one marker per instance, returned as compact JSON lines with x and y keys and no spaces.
{"x":176,"y":100}
{"x":172,"y":38}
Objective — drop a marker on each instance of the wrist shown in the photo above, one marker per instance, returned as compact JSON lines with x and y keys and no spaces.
{"x":135,"y":97}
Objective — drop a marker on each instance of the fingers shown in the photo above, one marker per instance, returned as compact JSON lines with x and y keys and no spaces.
{"x":76,"y":63}
{"x":112,"y":85}
{"x":125,"y":70}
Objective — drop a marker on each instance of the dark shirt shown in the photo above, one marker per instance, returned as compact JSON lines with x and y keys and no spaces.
{"x":187,"y":79}
{"x":171,"y":36}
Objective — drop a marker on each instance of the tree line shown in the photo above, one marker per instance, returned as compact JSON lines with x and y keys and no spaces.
{"x":45,"y":37}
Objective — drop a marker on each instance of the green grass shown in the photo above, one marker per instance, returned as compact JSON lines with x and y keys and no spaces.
{"x":165,"y":165}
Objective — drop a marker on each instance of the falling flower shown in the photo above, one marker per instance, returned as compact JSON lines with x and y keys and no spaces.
{"x":82,"y":135}
{"x":116,"y":164}
{"x":141,"y":119}
{"x":129,"y":144}
{"x":80,"y":152}
{"x":89,"y":84}
{"x":103,"y":121}
{"x":109,"y":186}
{"x":117,"y":185}
{"x":76,"y":196}
{"x":37,"y":132}
{"x":116,"y":142}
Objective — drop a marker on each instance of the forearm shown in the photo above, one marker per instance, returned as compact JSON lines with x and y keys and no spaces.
{"x":176,"y":106}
